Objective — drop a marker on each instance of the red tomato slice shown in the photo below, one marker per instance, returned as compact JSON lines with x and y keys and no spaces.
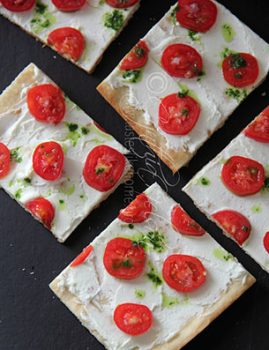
{"x":103,"y":168}
{"x":197,"y":15}
{"x":178,"y":115}
{"x":124,"y":260}
{"x":67,"y":41}
{"x":82,"y":256}
{"x":18,"y":5}
{"x":234,"y":223}
{"x":48,"y":160}
{"x":240,"y":69}
{"x":259,"y":128}
{"x":137,"y":211}
{"x":243,"y":176}
{"x":184,"y":224}
{"x":69,"y":5}
{"x":136,"y":58}
{"x":183,"y":273}
{"x":182,"y":61}
{"x":133,"y":319}
{"x":42,"y":209}
{"x":266,"y":242}
{"x":121,"y":4}
{"x":4,"y":160}
{"x":46,"y":103}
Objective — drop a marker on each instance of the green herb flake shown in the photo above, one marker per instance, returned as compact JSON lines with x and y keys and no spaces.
{"x":168,"y":301}
{"x":226,"y":52}
{"x":131,"y":226}
{"x":153,"y":240}
{"x":14,"y":154}
{"x":18,"y":194}
{"x":227,"y":32}
{"x":27,"y":180}
{"x":173,"y":15}
{"x":85,"y":130}
{"x":204,"y":181}
{"x":72,"y":127}
{"x":140,"y":294}
{"x":66,"y":189}
{"x":127,"y":263}
{"x":237,"y":94}
{"x":237,"y":61}
{"x":221,"y":254}
{"x":256,"y":209}
{"x":194,"y":36}
{"x":154,"y":276}
{"x":132,"y":76}
{"x":114,"y":20}
{"x":42,"y":18}
{"x":61,"y":204}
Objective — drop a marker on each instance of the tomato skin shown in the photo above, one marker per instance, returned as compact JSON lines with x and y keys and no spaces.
{"x":243,"y":176}
{"x":178,"y":115}
{"x":184,"y":224}
{"x":124,"y":260}
{"x":46,"y":103}
{"x":69,"y":5}
{"x":197,"y":15}
{"x":48,"y":160}
{"x":182,"y":61}
{"x":184,"y":273}
{"x":240,"y":70}
{"x":137,"y":211}
{"x":266,"y":242}
{"x":4,"y":160}
{"x":18,"y":6}
{"x":136,"y":58}
{"x":133,"y":319}
{"x":234,"y":223}
{"x":258,"y":130}
{"x":68,"y":42}
{"x":103,"y":168}
{"x":42,"y":209}
{"x":121,"y":4}
{"x":82,"y":256}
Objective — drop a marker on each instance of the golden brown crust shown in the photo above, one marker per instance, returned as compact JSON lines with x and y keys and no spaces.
{"x":118,"y":98}
{"x":191,"y":329}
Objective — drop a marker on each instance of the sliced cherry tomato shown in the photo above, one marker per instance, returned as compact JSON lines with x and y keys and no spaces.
{"x":46,"y":103}
{"x":121,"y":4}
{"x":4,"y":160}
{"x":42,"y":209}
{"x":67,"y":41}
{"x":136,"y":58}
{"x":69,"y":5}
{"x":82,"y":256}
{"x":123,"y":259}
{"x":183,"y":273}
{"x":259,"y":128}
{"x":137,"y":211}
{"x":178,"y":115}
{"x":184,"y":224}
{"x":182,"y":61}
{"x":133,"y":319}
{"x":103,"y":168}
{"x":197,"y":15}
{"x":18,"y":5}
{"x":266,"y":242}
{"x":48,"y":160}
{"x":240,"y":69}
{"x":234,"y":223}
{"x":243,"y":176}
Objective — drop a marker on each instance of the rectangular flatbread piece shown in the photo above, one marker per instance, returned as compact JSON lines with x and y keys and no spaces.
{"x":233,"y":189}
{"x":77,"y":135}
{"x":138,"y":94}
{"x":92,"y":294}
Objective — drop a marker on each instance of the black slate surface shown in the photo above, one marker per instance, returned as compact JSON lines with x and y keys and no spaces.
{"x":31,"y":318}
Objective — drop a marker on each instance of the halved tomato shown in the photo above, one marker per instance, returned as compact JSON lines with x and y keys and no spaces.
{"x":123,"y":259}
{"x":240,"y":69}
{"x":243,"y":176}
{"x":136,"y":58}
{"x":103,"y":168}
{"x":137,"y":211}
{"x":266,"y":242}
{"x":133,"y":319}
{"x":67,"y":41}
{"x":69,"y":5}
{"x":178,"y":115}
{"x":234,"y":223}
{"x":42,"y":209}
{"x":46,"y":103}
{"x":48,"y":160}
{"x":4,"y":160}
{"x":182,"y":61}
{"x":258,"y":130}
{"x":184,"y":273}
{"x":18,"y":5}
{"x":82,"y":256}
{"x":121,"y":4}
{"x":184,"y":224}
{"x":197,"y":15}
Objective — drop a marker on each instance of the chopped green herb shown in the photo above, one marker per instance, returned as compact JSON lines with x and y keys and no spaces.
{"x":174,"y":14}
{"x":42,"y":18}
{"x":153,"y":240}
{"x":237,"y":94}
{"x":127,"y":263}
{"x":154,"y":277}
{"x":204,"y":181}
{"x":139,"y":52}
{"x":183,"y":93}
{"x":266,"y":184}
{"x":221,"y":254}
{"x":61,"y":204}
{"x":256,"y":209}
{"x":132,"y":76}
{"x":131,"y":226}
{"x":237,"y":61}
{"x":185,"y":112}
{"x":227,"y":32}
{"x":140,"y":294}
{"x":194,"y":36}
{"x":18,"y":194}
{"x":27,"y":180}
{"x":168,"y":301}
{"x":84,"y":130}
{"x":67,"y":189}
{"x":99,"y":170}
{"x":226,"y":52}
{"x":14,"y":153}
{"x":114,"y":20}
{"x":71,"y":126}
{"x":245,"y":228}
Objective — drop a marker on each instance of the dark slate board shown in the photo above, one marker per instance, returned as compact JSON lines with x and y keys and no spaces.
{"x":31,"y":318}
